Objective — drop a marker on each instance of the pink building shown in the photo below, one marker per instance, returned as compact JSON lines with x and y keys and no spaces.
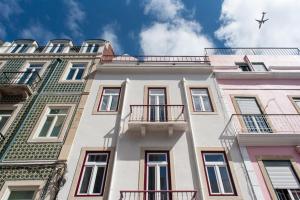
{"x":260,"y":89}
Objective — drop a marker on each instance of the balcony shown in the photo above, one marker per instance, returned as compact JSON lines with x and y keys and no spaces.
{"x":169,"y":118}
{"x":18,"y":83}
{"x":158,"y":195}
{"x":266,"y":130}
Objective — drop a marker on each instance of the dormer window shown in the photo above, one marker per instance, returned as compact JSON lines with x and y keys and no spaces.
{"x":92,"y":48}
{"x":57,"y":48}
{"x":20,"y":48}
{"x":255,"y":67}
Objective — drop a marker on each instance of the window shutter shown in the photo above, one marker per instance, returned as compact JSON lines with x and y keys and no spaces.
{"x":282,"y":175}
{"x":248,"y":105}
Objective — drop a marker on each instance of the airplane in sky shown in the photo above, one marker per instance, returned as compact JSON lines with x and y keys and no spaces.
{"x":260,"y":22}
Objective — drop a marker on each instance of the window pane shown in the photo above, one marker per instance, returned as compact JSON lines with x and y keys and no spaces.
{"x":98,"y":180}
{"x":60,"y":48}
{"x":6,"y":112}
{"x":79,"y":74}
{"x":245,"y":68}
{"x":86,"y":180}
{"x":24,"y":48}
{"x":21,"y":195}
{"x":114,"y":103}
{"x":157,"y":91}
{"x":214,"y":157}
{"x":96,"y":48}
{"x":16,"y":48}
{"x":71,"y":74}
{"x":212,"y":180}
{"x":151,"y":178}
{"x":111,"y":91}
{"x":206,"y":103}
{"x":104,"y":103}
{"x":58,"y":125}
{"x":259,"y":67}
{"x":226,"y":180}
{"x":46,"y":126}
{"x":3,"y":120}
{"x":97,"y":158}
{"x":53,"y":48}
{"x":157,"y":157}
{"x":163,"y":178}
{"x":197,"y":103}
{"x":199,"y":91}
{"x":59,"y":111}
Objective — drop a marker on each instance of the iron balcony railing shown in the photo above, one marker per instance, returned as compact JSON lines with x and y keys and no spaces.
{"x":154,"y":59}
{"x":267,"y":123}
{"x":252,"y":51}
{"x":156,"y":113}
{"x":158,"y":195}
{"x":31,"y":79}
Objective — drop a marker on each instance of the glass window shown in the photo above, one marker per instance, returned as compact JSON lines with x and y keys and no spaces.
{"x":110,"y":99}
{"x":93,"y":174}
{"x":244,"y":68}
{"x":20,"y":48}
{"x":30,"y":73}
{"x":57,"y":48}
{"x":76,"y":71}
{"x":4,"y":117}
{"x":92,"y":48}
{"x":259,"y":67}
{"x":201,"y":100}
{"x":53,"y":122}
{"x":217,"y":173}
{"x":21,"y":195}
{"x":157,"y":109}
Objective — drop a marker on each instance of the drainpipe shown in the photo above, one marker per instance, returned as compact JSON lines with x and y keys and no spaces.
{"x":120,"y":120}
{"x":192,"y":139}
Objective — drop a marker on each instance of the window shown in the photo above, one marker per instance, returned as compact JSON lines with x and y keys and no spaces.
{"x":92,"y":48}
{"x":217,"y":174}
{"x":256,"y":67}
{"x":20,"y":48}
{"x":157,"y":109}
{"x":283,"y":178}
{"x":56,"y":48}
{"x":53,"y":122}
{"x":93,"y":174}
{"x":201,"y":100}
{"x":21,"y":195}
{"x":297,"y":101}
{"x":30,"y":74}
{"x":4,"y":117}
{"x":109,"y":100}
{"x":76,"y":71}
{"x":157,"y":170}
{"x":254,"y":120}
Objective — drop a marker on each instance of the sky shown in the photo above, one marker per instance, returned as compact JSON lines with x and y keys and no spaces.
{"x":154,"y":27}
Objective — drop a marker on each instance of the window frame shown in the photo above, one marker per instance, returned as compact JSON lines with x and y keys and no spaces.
{"x":15,"y":110}
{"x":251,"y":67}
{"x":292,"y":99}
{"x":58,"y":46}
{"x":69,"y":67}
{"x":63,"y":77}
{"x":33,"y":138}
{"x":101,"y":98}
{"x":166,"y":152}
{"x":92,"y":48}
{"x":83,"y":164}
{"x":209,"y":99}
{"x":14,"y":46}
{"x":228,"y":170}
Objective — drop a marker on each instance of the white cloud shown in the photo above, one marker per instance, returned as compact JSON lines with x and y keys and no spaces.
{"x":178,"y":38}
{"x":37,"y":32}
{"x":9,"y":8}
{"x":170,"y":33}
{"x":75,"y":17}
{"x":240,"y":29}
{"x":109,"y":33}
{"x":163,"y":9}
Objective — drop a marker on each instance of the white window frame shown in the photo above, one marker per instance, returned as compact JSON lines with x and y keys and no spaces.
{"x":76,"y":72}
{"x":216,"y":165}
{"x":19,"y":49}
{"x":201,"y":100}
{"x":92,"y":181}
{"x":53,"y":122}
{"x":92,"y":49}
{"x":15,"y":109}
{"x":110,"y":95}
{"x":51,"y":45}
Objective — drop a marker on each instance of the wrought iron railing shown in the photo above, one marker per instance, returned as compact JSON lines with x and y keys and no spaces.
{"x":154,"y":59}
{"x":252,"y":51}
{"x":31,"y":79}
{"x":267,"y":123}
{"x":158,"y":195}
{"x":156,"y":113}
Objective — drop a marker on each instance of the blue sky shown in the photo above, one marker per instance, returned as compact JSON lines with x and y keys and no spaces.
{"x":153,"y":26}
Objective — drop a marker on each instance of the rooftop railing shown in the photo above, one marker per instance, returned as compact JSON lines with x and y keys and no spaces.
{"x":253,"y":51}
{"x":158,"y":195}
{"x":154,"y":59}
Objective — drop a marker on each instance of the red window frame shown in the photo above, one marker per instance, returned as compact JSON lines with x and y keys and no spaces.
{"x":99,"y":104}
{"x":229,"y":171}
{"x":81,"y":173}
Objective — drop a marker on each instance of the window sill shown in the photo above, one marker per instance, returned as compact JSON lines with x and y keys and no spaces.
{"x":72,"y":81}
{"x":105,"y":113}
{"x":45,"y":140}
{"x":203,"y":113}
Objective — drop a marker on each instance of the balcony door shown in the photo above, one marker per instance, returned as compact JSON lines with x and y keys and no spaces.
{"x":253,"y":118}
{"x":157,"y":109}
{"x":157,"y":180}
{"x":30,"y":73}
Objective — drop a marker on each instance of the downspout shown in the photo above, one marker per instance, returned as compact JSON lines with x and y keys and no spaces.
{"x":120,"y":120}
{"x":192,"y":139}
